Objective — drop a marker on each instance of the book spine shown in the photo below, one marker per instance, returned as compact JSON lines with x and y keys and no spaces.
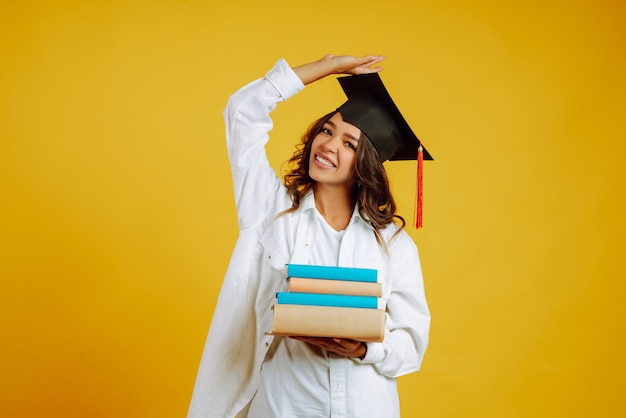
{"x":329,"y":321}
{"x":339,"y":287}
{"x":332,"y":273}
{"x":348,"y":301}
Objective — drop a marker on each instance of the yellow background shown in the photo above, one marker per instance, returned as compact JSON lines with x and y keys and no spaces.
{"x":117,"y":216}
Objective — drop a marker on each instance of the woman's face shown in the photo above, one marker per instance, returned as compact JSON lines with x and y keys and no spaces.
{"x":333,"y":153}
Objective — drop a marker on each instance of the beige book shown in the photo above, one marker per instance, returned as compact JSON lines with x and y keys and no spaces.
{"x":338,"y":287}
{"x":328,"y":321}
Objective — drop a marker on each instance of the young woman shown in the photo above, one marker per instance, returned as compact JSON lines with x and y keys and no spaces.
{"x":333,"y":208}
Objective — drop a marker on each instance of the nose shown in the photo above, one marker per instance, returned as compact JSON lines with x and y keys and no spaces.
{"x":331,"y":144}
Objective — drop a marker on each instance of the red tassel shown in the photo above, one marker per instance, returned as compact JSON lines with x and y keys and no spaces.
{"x":420,"y":188}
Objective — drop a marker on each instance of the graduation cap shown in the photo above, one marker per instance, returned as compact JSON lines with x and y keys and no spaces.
{"x":371,"y":109}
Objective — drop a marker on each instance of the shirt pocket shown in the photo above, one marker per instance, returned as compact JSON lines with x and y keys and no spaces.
{"x":273,"y":268}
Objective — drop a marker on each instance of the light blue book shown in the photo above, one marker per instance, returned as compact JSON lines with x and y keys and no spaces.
{"x":332,"y":273}
{"x":319,"y":299}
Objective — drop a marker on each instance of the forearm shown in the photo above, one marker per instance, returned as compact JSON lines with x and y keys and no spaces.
{"x":313,"y":71}
{"x":248,"y":122}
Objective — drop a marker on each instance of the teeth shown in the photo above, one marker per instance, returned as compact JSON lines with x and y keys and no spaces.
{"x":323,"y":161}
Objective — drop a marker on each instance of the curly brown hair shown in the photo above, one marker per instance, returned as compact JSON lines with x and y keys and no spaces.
{"x":371,"y":187}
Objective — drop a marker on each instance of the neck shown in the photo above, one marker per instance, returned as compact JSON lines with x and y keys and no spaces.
{"x":335,"y":204}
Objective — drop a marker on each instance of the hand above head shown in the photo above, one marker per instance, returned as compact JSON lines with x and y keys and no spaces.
{"x":338,"y":64}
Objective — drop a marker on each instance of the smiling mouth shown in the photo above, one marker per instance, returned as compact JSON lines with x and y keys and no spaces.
{"x":324,"y":161}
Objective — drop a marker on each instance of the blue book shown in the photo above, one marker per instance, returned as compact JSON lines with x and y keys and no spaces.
{"x":319,"y":299}
{"x":332,"y":273}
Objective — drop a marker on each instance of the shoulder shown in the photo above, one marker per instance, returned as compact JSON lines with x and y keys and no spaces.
{"x":395,"y":235}
{"x":400,"y":244}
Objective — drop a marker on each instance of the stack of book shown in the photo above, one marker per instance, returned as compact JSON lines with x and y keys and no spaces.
{"x":322,"y":301}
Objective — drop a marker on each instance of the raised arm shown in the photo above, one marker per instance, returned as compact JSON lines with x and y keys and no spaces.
{"x":248,"y":123}
{"x":337,"y":64}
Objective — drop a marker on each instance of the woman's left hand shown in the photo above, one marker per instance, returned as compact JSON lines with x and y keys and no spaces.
{"x":338,"y":64}
{"x":341,"y":346}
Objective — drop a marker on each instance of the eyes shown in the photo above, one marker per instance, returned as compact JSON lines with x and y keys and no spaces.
{"x":349,"y":143}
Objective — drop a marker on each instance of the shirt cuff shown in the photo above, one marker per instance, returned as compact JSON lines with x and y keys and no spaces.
{"x":375,"y":353}
{"x":284,"y":79}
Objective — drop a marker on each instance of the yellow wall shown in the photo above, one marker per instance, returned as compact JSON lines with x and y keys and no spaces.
{"x":117,"y":216}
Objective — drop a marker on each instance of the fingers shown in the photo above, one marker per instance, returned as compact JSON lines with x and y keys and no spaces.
{"x":341,"y":346}
{"x":337,"y":64}
{"x":326,"y":343}
{"x":347,"y":345}
{"x":369,"y":60}
{"x":348,"y":64}
{"x":375,"y":59}
{"x":366,"y":65}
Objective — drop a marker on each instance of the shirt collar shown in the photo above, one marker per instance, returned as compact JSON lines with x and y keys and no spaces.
{"x":308,"y":204}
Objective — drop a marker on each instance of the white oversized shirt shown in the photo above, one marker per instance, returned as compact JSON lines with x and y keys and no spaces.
{"x":237,"y":344}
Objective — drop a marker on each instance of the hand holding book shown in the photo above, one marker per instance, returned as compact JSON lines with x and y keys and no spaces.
{"x":340,"y":346}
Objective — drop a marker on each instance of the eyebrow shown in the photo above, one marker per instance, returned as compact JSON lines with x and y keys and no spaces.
{"x":332,"y":124}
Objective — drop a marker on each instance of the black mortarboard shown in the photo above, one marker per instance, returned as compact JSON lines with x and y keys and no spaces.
{"x":371,"y":109}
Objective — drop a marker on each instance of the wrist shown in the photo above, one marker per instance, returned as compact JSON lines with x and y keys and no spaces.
{"x":313,"y":71}
{"x":362,"y":356}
